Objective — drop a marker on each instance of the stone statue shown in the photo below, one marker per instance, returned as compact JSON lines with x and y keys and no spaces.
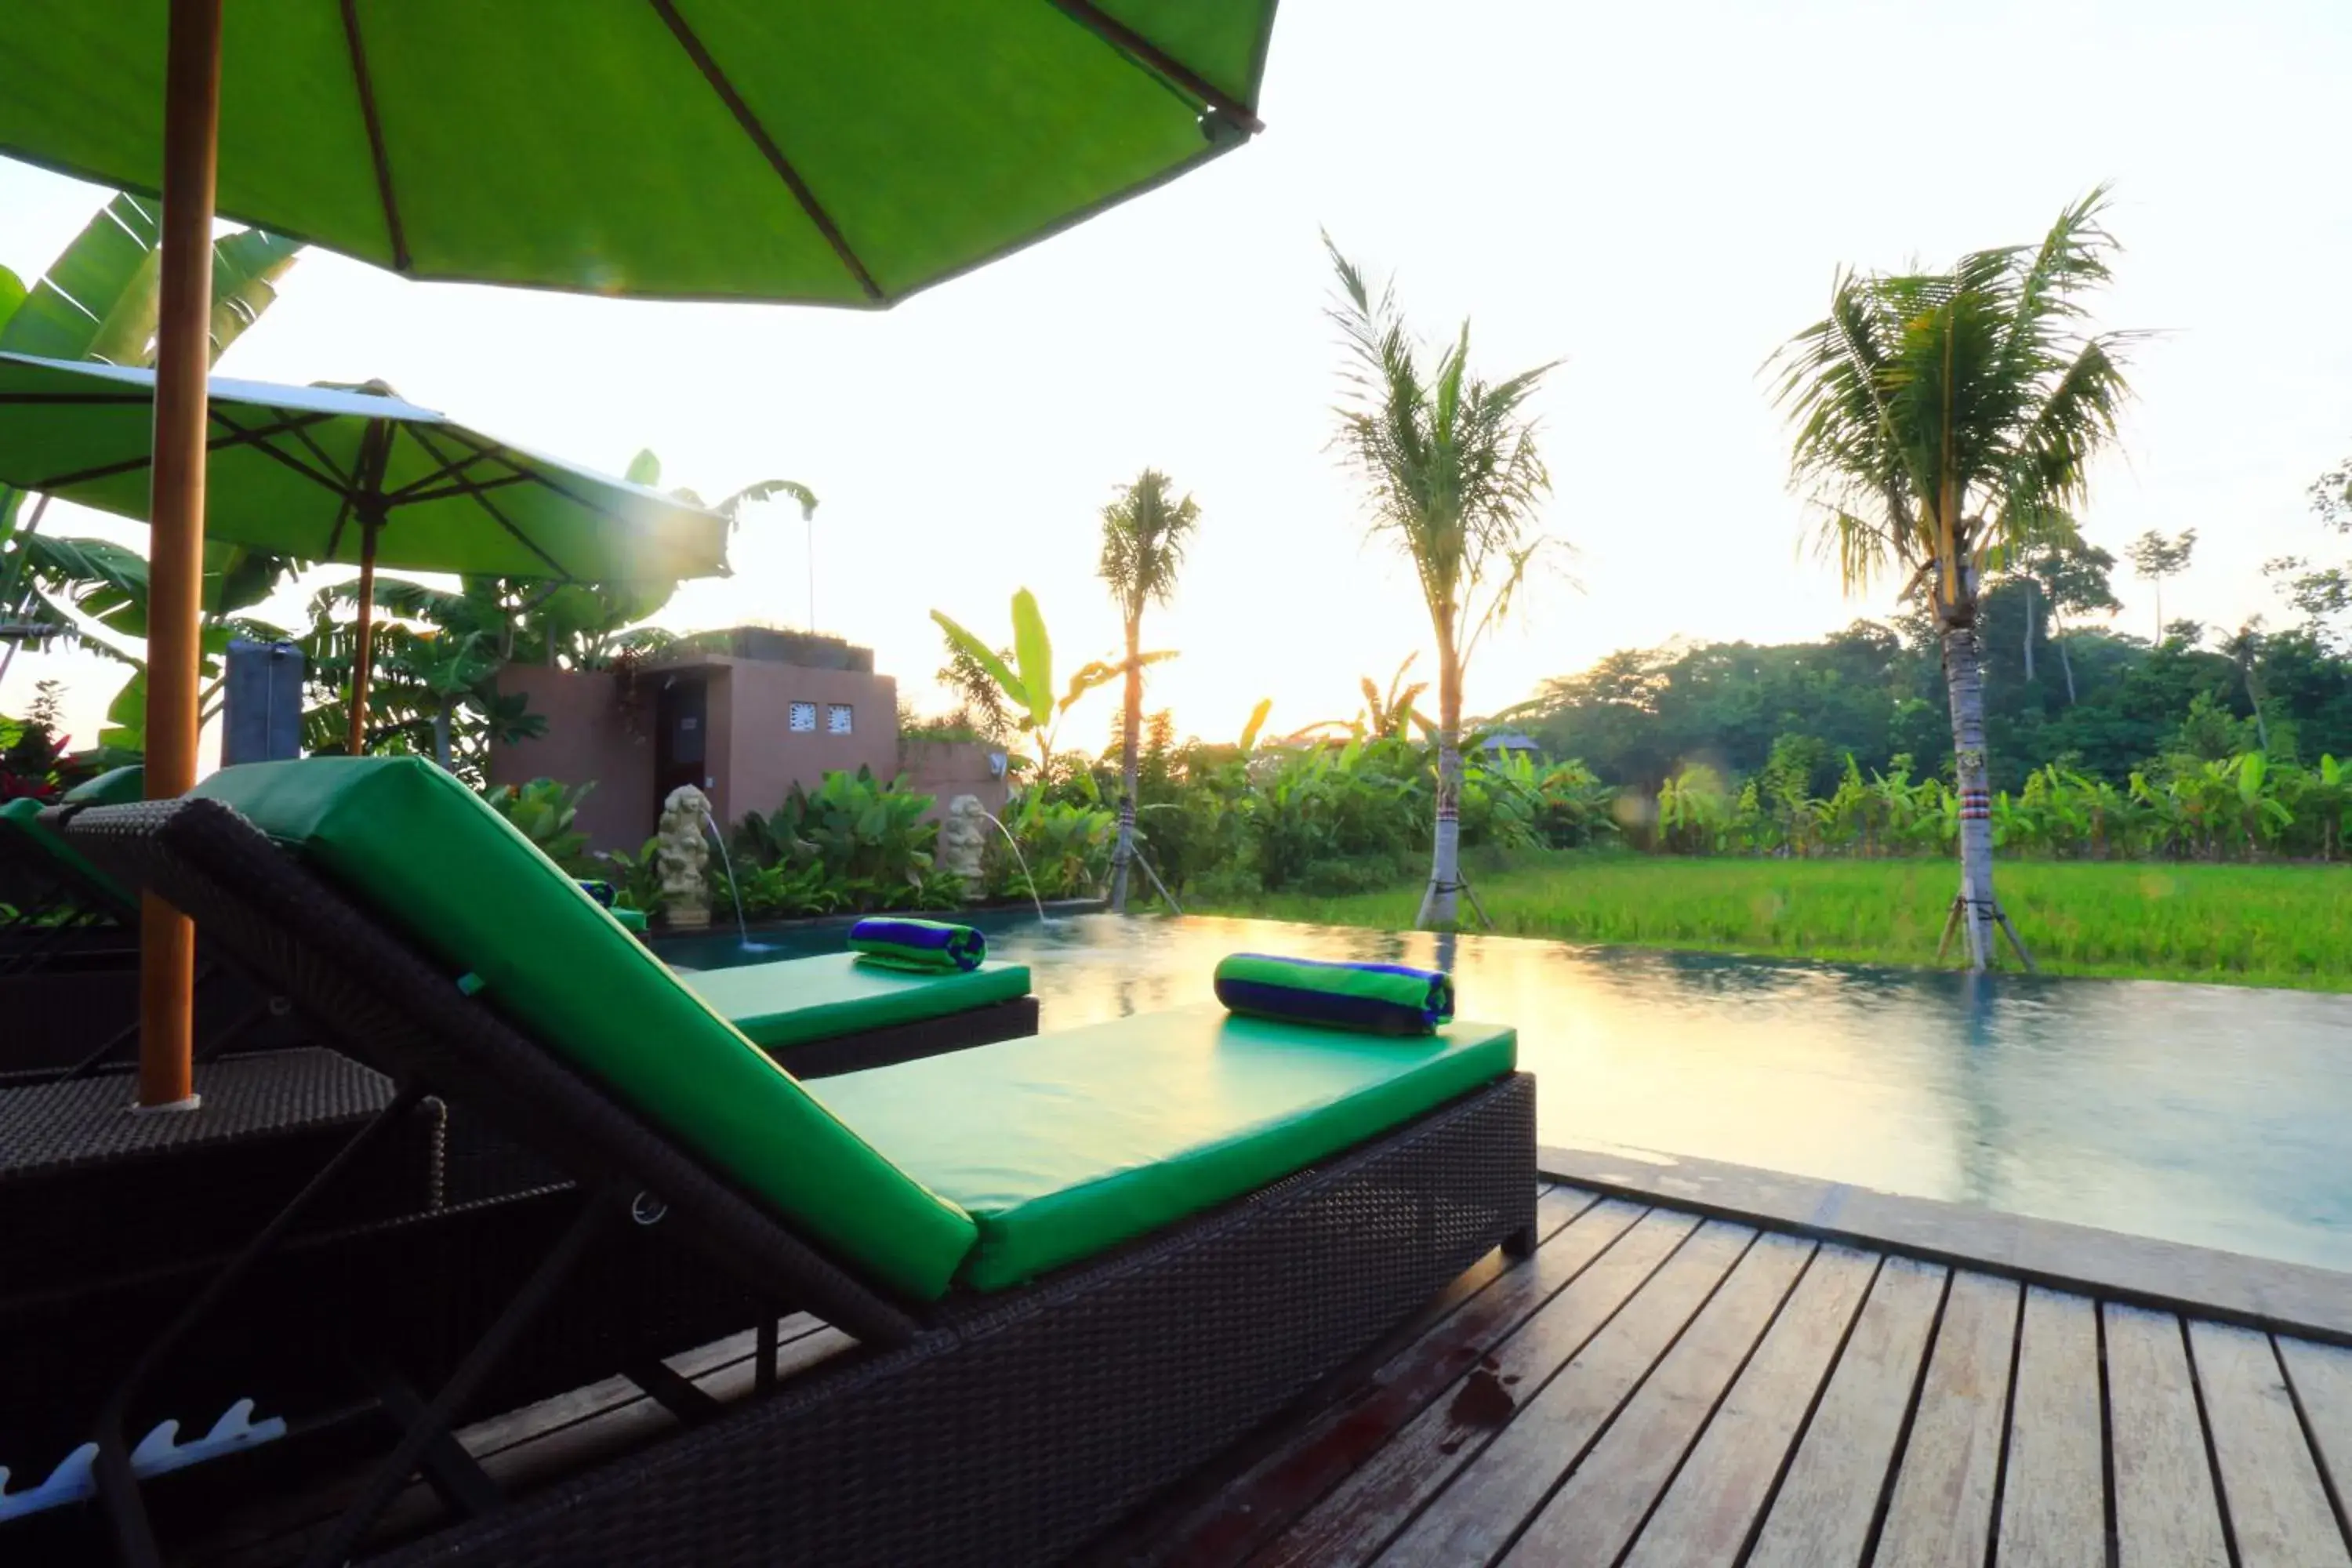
{"x":963,"y":842}
{"x":684,"y":857}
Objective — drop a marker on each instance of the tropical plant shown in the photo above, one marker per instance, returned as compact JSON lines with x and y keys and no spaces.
{"x":1144,"y":533}
{"x":1390,"y":713}
{"x":866,"y":837}
{"x":543,"y":811}
{"x":636,"y":877}
{"x":1939,"y":417}
{"x":1451,"y":473}
{"x":1027,"y":681}
{"x":98,"y":301}
{"x":1065,"y":848}
{"x":1693,"y":808}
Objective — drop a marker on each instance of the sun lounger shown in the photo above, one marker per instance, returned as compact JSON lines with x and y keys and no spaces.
{"x":1077,"y":1264}
{"x":832,"y":1014}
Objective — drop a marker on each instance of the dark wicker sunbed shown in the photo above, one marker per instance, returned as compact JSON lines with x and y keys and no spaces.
{"x":1000,"y":1426}
{"x":69,"y":967}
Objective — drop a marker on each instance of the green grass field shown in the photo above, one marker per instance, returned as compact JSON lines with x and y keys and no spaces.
{"x":2241,"y":925}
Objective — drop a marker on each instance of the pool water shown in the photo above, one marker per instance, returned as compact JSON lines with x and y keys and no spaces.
{"x":2209,"y":1115}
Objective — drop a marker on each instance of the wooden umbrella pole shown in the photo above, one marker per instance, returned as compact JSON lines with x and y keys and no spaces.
{"x":364,"y":658}
{"x":176,"y":560}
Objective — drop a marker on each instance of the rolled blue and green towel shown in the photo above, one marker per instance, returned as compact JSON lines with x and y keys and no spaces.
{"x":631,"y":919}
{"x":1372,"y":998}
{"x":935,"y":947}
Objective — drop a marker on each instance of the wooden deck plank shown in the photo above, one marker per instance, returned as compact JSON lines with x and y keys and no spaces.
{"x":2270,"y":1481}
{"x":2054,"y":1490}
{"x":2321,"y":1377}
{"x":2166,"y":1511}
{"x":1478,"y":1513}
{"x":1322,"y":1452}
{"x":1603,"y":1502}
{"x":1711,"y":1508}
{"x":1356,"y":1518}
{"x":1820,"y":1516}
{"x":1941,"y":1513}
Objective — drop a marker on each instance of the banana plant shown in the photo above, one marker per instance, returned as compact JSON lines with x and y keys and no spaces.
{"x":98,"y":301}
{"x":1028,"y":681}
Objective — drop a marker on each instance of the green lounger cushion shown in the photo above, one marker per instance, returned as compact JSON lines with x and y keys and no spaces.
{"x":1063,"y":1144}
{"x":797,"y":1000}
{"x":21,"y":818}
{"x":435,"y":861}
{"x":116,"y":786}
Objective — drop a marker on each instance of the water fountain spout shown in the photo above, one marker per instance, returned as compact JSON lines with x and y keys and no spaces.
{"x":1021,"y":860}
{"x":743,"y":926}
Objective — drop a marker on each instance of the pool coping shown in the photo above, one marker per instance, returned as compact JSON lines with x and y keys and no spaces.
{"x":2257,"y":1292}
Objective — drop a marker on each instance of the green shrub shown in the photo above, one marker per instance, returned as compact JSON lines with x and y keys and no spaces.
{"x":543,"y":810}
{"x":865,"y":838}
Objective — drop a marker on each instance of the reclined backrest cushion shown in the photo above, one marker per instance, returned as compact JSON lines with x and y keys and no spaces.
{"x":116,"y":786}
{"x":432,"y":858}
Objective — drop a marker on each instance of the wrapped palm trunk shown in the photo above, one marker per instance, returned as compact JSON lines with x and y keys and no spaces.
{"x":1122,"y":857}
{"x":1964,"y":679}
{"x":1441,"y":902}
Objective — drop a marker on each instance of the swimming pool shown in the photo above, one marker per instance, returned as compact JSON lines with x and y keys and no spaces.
{"x":2204,"y":1114}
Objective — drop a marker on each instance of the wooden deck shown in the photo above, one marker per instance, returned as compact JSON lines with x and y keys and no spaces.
{"x":1658,"y":1388}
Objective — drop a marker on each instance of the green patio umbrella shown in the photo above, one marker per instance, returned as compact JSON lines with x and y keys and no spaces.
{"x":352,"y":475}
{"x":824,"y":152}
{"x":785,"y":150}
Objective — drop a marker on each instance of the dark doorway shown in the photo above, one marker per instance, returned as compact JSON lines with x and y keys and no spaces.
{"x":681,"y":737}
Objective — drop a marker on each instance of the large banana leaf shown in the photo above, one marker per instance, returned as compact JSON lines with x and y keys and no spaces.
{"x":97,"y":300}
{"x":12,"y":294}
{"x":1033,"y":652}
{"x":108,"y":582}
{"x":985,"y":656}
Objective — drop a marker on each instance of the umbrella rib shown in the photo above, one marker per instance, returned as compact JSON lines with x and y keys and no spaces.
{"x":302,"y":434}
{"x":62,"y":399}
{"x":446,"y":471}
{"x":257,"y":437}
{"x":484,"y":448}
{"x":767,"y":145}
{"x":129,"y":465}
{"x":461,"y":487}
{"x":1148,"y":56}
{"x":366,"y":86}
{"x":496,"y":516}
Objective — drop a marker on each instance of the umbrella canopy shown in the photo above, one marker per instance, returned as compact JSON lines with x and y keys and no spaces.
{"x":784,"y":149}
{"x":789,"y":150}
{"x":332,"y":473}
{"x":310,"y":471}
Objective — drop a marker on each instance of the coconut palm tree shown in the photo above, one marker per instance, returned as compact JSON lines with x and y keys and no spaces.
{"x":1143,"y":537}
{"x":1449,"y":464}
{"x":1941,"y":418}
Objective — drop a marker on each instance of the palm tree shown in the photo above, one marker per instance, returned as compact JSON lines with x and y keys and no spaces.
{"x":1143,"y":539}
{"x":1449,"y":464}
{"x":1940,"y":418}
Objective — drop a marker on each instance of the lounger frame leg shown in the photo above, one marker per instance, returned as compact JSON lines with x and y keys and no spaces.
{"x":118,"y":1485}
{"x":431,"y":1425}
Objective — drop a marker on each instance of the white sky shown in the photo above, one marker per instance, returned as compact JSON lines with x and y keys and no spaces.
{"x":1659,"y":193}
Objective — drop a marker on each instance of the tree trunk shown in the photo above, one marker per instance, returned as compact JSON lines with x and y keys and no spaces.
{"x":1964,"y":679}
{"x":1123,"y":856}
{"x":2068,"y":665}
{"x":1440,"y":902}
{"x":2029,"y":628}
{"x":441,"y":737}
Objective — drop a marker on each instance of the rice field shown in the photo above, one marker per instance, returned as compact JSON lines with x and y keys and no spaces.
{"x":2288,"y":925}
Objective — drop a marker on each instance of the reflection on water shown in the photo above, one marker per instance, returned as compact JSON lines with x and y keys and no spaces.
{"x":2200,"y":1115}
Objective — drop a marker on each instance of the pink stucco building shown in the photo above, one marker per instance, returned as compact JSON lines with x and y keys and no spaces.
{"x":745,"y":725}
